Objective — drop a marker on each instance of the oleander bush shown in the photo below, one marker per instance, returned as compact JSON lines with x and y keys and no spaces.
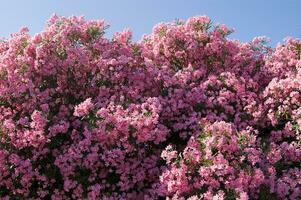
{"x":185,"y":113}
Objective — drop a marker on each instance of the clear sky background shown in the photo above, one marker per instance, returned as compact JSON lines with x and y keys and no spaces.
{"x":275,"y":19}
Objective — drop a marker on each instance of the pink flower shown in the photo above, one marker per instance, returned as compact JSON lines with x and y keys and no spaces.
{"x":83,"y":108}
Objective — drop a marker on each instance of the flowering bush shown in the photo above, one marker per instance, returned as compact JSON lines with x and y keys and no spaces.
{"x":185,"y":113}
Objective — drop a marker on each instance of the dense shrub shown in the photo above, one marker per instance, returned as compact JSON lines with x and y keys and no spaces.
{"x":185,"y":113}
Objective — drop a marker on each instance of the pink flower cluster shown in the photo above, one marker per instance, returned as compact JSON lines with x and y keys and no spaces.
{"x":185,"y":113}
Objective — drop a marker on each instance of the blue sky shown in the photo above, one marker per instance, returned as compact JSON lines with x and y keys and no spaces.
{"x":275,"y":19}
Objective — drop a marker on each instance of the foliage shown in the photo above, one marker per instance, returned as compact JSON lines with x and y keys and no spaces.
{"x":186,"y":113}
